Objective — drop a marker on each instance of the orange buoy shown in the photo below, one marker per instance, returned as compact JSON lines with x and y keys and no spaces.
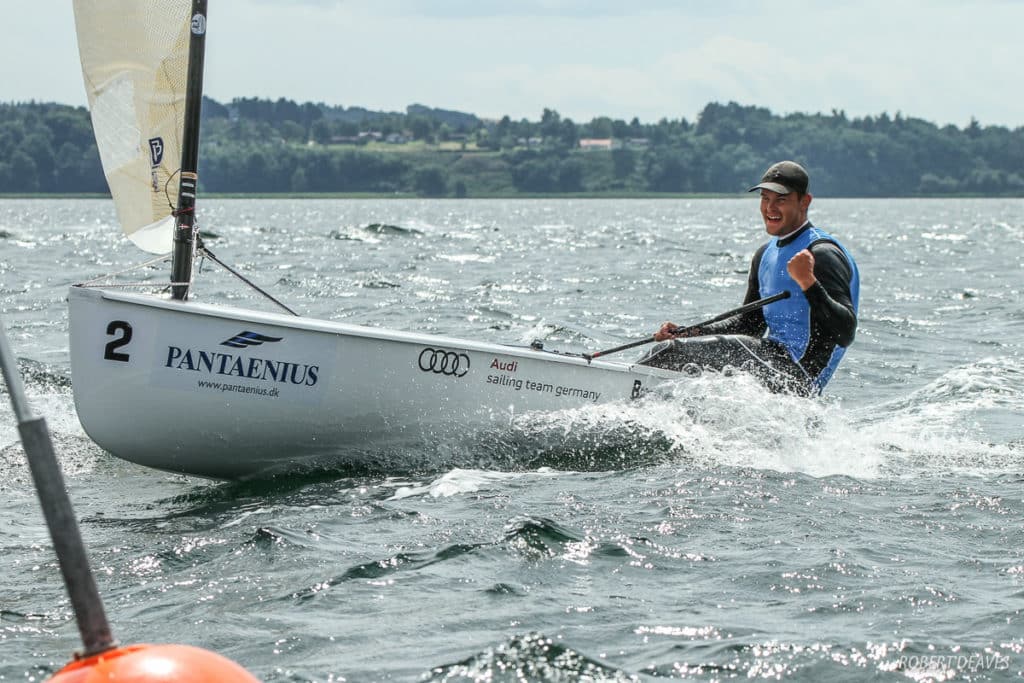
{"x":154,"y":664}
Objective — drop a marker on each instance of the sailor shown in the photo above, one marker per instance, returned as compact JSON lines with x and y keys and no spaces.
{"x":793,"y":345}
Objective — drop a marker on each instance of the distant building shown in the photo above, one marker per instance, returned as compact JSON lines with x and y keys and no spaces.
{"x":590,"y":144}
{"x":530,"y":142}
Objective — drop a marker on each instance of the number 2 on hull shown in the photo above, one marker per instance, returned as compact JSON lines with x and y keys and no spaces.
{"x":122,"y":328}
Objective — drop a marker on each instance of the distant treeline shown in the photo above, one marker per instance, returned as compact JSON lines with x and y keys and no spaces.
{"x":265,"y":146}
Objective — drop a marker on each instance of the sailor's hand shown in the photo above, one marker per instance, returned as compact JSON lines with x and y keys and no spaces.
{"x":801,"y":269}
{"x":670,"y":331}
{"x":667,"y":331}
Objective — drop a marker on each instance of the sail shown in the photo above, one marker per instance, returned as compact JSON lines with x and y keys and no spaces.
{"x":134,"y":61}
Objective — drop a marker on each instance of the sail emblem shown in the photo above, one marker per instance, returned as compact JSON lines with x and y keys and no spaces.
{"x":156,"y":151}
{"x":198,"y":24}
{"x":246,"y":339}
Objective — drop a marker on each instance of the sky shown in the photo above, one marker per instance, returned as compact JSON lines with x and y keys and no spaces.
{"x":944,"y":61}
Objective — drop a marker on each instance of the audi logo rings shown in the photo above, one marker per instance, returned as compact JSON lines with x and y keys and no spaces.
{"x":443,"y":362}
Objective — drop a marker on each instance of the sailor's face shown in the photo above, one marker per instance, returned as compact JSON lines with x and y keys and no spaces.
{"x":783,"y":213}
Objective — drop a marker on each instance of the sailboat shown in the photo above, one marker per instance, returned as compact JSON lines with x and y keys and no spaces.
{"x":224,"y":392}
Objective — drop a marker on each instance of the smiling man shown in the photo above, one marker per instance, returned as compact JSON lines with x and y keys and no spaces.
{"x":791,"y":345}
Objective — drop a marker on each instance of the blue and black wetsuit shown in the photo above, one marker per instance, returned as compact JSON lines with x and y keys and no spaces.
{"x":792,"y":345}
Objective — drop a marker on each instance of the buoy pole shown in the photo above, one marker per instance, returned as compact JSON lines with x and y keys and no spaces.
{"x":60,"y":518}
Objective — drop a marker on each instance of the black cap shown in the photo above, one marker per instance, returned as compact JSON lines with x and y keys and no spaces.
{"x":784,"y":177}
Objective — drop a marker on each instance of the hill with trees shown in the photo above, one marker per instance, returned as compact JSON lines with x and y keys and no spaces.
{"x":252,"y":145}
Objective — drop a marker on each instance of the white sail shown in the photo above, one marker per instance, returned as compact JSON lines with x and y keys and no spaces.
{"x":134,"y":61}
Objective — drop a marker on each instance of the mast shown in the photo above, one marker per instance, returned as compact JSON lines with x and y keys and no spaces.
{"x":184,"y":238}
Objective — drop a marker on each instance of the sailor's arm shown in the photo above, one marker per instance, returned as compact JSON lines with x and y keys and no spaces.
{"x":824,"y":275}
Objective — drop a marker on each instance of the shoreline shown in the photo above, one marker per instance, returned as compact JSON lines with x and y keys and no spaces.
{"x":547,"y":195}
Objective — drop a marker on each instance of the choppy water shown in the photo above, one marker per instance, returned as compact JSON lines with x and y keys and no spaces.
{"x":718,"y":533}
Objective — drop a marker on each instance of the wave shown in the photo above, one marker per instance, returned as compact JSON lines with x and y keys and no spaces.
{"x":459,"y":481}
{"x":947,"y":426}
{"x":529,"y":657}
{"x":48,"y":392}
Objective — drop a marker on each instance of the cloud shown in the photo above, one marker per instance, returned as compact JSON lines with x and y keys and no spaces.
{"x":941,"y":60}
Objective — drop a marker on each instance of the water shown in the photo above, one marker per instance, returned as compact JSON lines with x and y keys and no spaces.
{"x":719,"y":532}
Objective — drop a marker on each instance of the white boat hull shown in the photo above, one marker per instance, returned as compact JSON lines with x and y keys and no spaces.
{"x":230,"y":393}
